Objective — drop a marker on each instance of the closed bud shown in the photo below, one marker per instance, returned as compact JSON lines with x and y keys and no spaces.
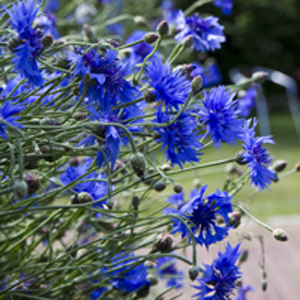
{"x":49,"y":122}
{"x":264,"y":285}
{"x":185,"y":69}
{"x":197,"y":183}
{"x":279,"y":165}
{"x":177,"y":188}
{"x":138,"y":164}
{"x":193,"y":272}
{"x":235,"y":218}
{"x":79,"y":116}
{"x":152,"y":279}
{"x":136,"y":202}
{"x":85,"y":197}
{"x":164,"y":243}
{"x":149,"y":95}
{"x":87,"y":79}
{"x":239,"y":158}
{"x":20,"y":189}
{"x":188,"y":41}
{"x":259,"y":77}
{"x":62,"y":63}
{"x":14,"y":42}
{"x":243,"y":256}
{"x":166,"y":168}
{"x":140,"y":20}
{"x":150,"y":37}
{"x":163,"y":28}
{"x":74,"y":161}
{"x":196,"y":84}
{"x":33,"y":183}
{"x":280,"y":235}
{"x":89,"y":33}
{"x":159,"y":186}
{"x":297,"y":167}
{"x":47,"y":40}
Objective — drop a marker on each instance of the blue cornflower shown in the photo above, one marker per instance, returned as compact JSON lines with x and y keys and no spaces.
{"x":166,"y":269}
{"x":220,"y":116}
{"x":225,"y":5}
{"x":170,"y":13}
{"x":210,"y":74}
{"x":180,"y":139}
{"x":220,"y":278}
{"x":96,"y":189}
{"x":247,"y":102}
{"x":257,"y":157}
{"x":47,"y":22}
{"x":177,"y":200}
{"x":201,"y":213}
{"x":242,"y":292}
{"x":207,"y":32}
{"x":170,"y":87}
{"x":107,"y":75}
{"x":6,"y":114}
{"x":30,"y":46}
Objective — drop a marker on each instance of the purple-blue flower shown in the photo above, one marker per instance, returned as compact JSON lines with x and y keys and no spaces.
{"x":180,"y":140}
{"x":96,"y":189}
{"x":220,"y":279}
{"x":166,"y":269}
{"x":30,"y":45}
{"x":257,"y":158}
{"x":170,"y":87}
{"x":47,"y":22}
{"x":207,"y":33}
{"x":170,"y":13}
{"x":201,"y":214}
{"x":242,"y":292}
{"x":7,"y":114}
{"x":225,"y":5}
{"x":219,"y":116}
{"x":247,"y":102}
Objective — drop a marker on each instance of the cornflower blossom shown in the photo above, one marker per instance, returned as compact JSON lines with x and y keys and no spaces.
{"x":243,"y":290}
{"x":225,"y":5}
{"x":207,"y":33}
{"x":170,"y":13}
{"x":219,"y":115}
{"x":47,"y":22}
{"x":201,"y":214}
{"x":29,"y":42}
{"x":166,"y":269}
{"x":96,"y":189}
{"x":170,"y":87}
{"x":106,"y":75}
{"x":220,"y":279}
{"x":180,"y":139}
{"x":210,"y":74}
{"x":257,"y":157}
{"x":7,"y":112}
{"x":247,"y":102}
{"x":110,"y":137}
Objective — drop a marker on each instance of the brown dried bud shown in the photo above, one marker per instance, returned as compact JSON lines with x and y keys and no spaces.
{"x":177,"y":188}
{"x":33,"y":183}
{"x":297,"y":167}
{"x":47,"y":40}
{"x":164,"y":243}
{"x":149,"y":95}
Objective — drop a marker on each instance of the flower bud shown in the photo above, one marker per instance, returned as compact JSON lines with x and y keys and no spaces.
{"x":89,"y":33}
{"x":85,"y":197}
{"x":20,"y":189}
{"x":149,"y":95}
{"x":196,"y":84}
{"x":259,"y":77}
{"x":159,"y":186}
{"x":62,"y":63}
{"x":279,"y":165}
{"x":243,"y":256}
{"x":164,"y":243}
{"x":152,"y":279}
{"x":14,"y":42}
{"x":47,"y":40}
{"x":140,"y":20}
{"x":280,"y":235}
{"x":136,"y":202}
{"x":185,"y":69}
{"x":33,"y":183}
{"x":193,"y":272}
{"x":235,"y":218}
{"x":166,"y":168}
{"x":264,"y":285}
{"x":188,"y":41}
{"x":79,"y":116}
{"x":239,"y":158}
{"x":138,"y":164}
{"x":163,"y":28}
{"x":87,"y":79}
{"x":197,"y":183}
{"x":49,"y":122}
{"x":74,"y":161}
{"x":297,"y":167}
{"x":150,"y":37}
{"x":177,"y":188}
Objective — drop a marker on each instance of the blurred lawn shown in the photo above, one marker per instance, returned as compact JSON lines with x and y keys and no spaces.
{"x":284,"y":199}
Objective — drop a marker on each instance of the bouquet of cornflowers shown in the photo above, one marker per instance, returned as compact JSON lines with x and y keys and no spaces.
{"x":100,"y":108}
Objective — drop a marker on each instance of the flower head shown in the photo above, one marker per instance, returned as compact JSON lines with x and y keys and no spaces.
{"x":246,"y":102}
{"x":7,"y":112}
{"x":170,"y":87}
{"x":201,"y":214}
{"x":225,"y":5}
{"x":257,"y":157}
{"x":207,"y":33}
{"x":220,"y":278}
{"x":220,"y":116}
{"x":180,"y":139}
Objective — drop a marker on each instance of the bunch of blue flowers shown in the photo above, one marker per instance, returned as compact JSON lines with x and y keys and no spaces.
{"x":97,"y":115}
